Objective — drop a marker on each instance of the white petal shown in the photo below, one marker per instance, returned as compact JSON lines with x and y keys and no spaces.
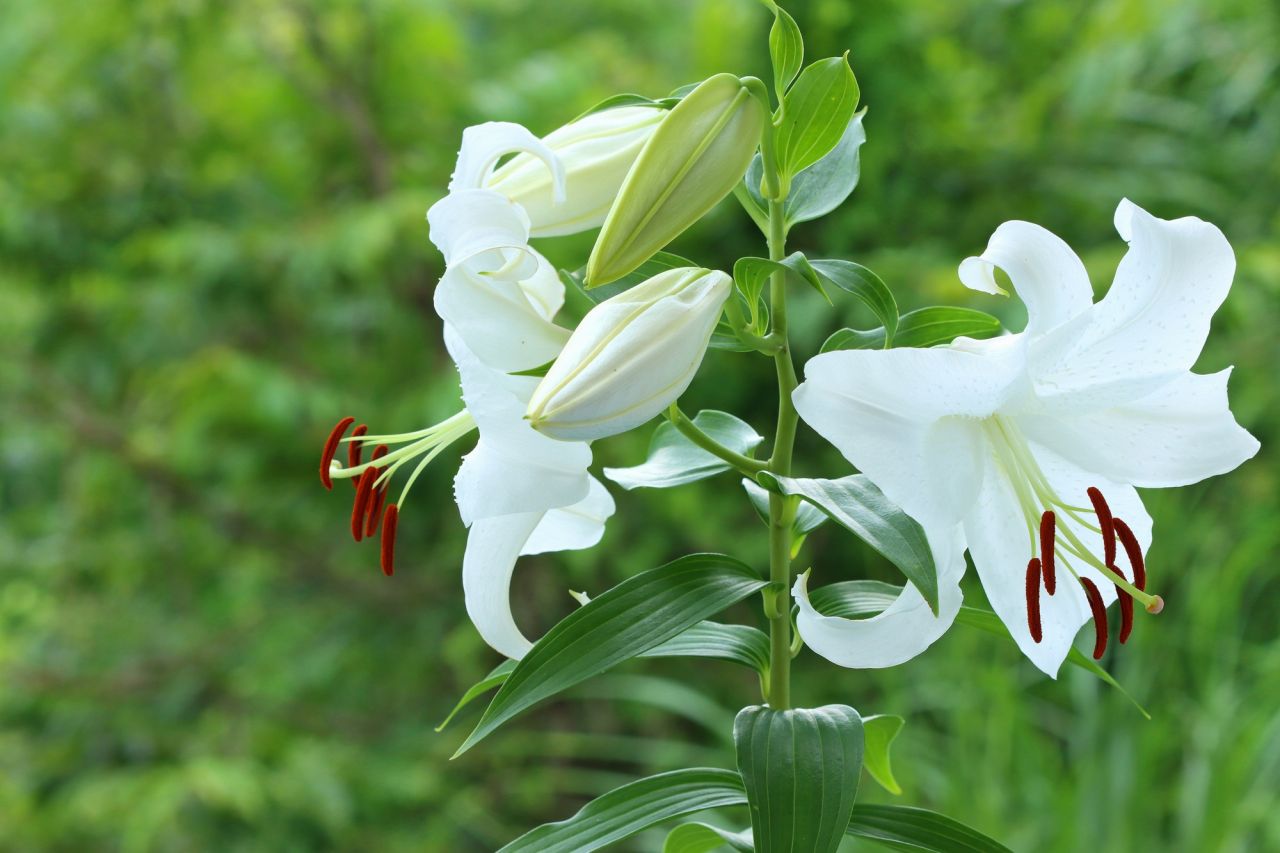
{"x":492,"y":548}
{"x":1049,"y":277}
{"x":905,"y":629}
{"x":513,"y":468}
{"x":484,"y":144}
{"x":484,"y":230}
{"x":505,"y":323}
{"x":573,"y":528}
{"x":1000,"y":543}
{"x":907,"y":418}
{"x":1180,"y":434}
{"x":1154,"y":320}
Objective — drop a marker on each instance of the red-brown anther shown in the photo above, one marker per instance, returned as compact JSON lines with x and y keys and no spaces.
{"x":1105,"y":524}
{"x":354,"y":447}
{"x":330,"y":448}
{"x":1033,"y":599}
{"x":1126,"y":608}
{"x":1048,"y":533}
{"x":1099,"y":617}
{"x":363,"y":489}
{"x":379,"y":494}
{"x":389,"y":540}
{"x":1134,"y":552}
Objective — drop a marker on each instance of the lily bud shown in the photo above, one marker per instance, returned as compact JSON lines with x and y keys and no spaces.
{"x":695,"y":158}
{"x":596,"y":151}
{"x":631,"y":356}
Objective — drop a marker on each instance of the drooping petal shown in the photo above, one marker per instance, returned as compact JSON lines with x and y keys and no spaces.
{"x":907,"y":418}
{"x":493,"y":545}
{"x":1154,"y":320}
{"x":504,"y":323}
{"x":1181,"y":433}
{"x":484,"y":144}
{"x":576,"y":527}
{"x":485,"y":231}
{"x":1000,"y":542}
{"x":902,"y":631}
{"x":513,"y":467}
{"x":1049,"y":277}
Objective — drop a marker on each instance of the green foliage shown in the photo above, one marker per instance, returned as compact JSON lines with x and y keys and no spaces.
{"x":674,"y":460}
{"x":212,"y":246}
{"x":924,"y":327}
{"x":906,"y":828}
{"x":815,"y":114}
{"x":800,"y":768}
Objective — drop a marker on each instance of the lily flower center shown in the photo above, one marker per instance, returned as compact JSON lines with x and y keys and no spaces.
{"x":369,"y":511}
{"x":1053,"y":544}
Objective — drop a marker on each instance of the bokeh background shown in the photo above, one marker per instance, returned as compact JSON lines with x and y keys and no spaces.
{"x":212,"y":246}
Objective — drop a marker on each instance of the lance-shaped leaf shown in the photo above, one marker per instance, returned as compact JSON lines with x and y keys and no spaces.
{"x":878,"y":733}
{"x":751,"y":274}
{"x":907,"y":828}
{"x":703,"y":838}
{"x":808,"y":516}
{"x":621,"y":623}
{"x":817,"y":190}
{"x":925,"y":327}
{"x":815,"y":114}
{"x":674,"y":460}
{"x":734,"y":643}
{"x":492,"y":681}
{"x":861,"y":282}
{"x":800,"y":768}
{"x":786,"y":48}
{"x":695,"y":158}
{"x":858,"y":506}
{"x":632,"y":808}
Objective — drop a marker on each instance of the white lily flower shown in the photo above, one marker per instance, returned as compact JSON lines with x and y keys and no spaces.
{"x":597,"y":151}
{"x":1034,"y":442}
{"x":519,"y":492}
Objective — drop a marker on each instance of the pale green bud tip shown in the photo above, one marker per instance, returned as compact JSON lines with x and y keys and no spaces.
{"x":695,"y":158}
{"x":631,"y":356}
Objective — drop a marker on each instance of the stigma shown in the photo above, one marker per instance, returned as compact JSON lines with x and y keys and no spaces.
{"x":370,"y":511}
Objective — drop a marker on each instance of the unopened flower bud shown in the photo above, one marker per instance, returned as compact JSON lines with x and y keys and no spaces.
{"x":596,"y":151}
{"x":631,"y":356}
{"x":695,"y":158}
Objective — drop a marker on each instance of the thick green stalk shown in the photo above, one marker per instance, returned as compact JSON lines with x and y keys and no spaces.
{"x":744,"y":465}
{"x":782,"y":509}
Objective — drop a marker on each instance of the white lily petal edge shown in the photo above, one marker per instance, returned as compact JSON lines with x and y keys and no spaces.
{"x":992,"y":435}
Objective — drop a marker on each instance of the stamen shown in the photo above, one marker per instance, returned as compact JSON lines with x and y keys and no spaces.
{"x":330,"y":448}
{"x":1134,"y":552}
{"x":1048,"y":536}
{"x":363,"y":490}
{"x":379,"y":493}
{"x":389,"y":541}
{"x":1126,"y":608}
{"x":1099,"y":617}
{"x":1106,"y":524}
{"x":354,"y":447}
{"x":1033,"y":599}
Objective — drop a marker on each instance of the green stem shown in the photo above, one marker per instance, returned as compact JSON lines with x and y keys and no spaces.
{"x":782,"y":510}
{"x":744,"y":465}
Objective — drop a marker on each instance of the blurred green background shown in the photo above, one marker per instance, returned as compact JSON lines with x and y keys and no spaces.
{"x":212,"y":246}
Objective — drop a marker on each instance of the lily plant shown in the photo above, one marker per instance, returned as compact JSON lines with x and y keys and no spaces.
{"x":1022,"y":450}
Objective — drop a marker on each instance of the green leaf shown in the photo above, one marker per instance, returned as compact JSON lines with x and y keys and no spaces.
{"x":878,"y":733}
{"x":489,"y":682}
{"x":674,"y":460}
{"x":825,"y":185}
{"x":628,"y":620}
{"x":631,"y":100}
{"x":634,"y":807}
{"x":986,"y":620}
{"x":815,"y":114}
{"x":808,"y":516}
{"x":786,"y":49}
{"x":907,"y":828}
{"x":800,"y":768}
{"x":864,"y":284}
{"x":751,"y":274}
{"x":703,"y":837}
{"x":924,"y":327}
{"x":857,"y":505}
{"x":660,"y":262}
{"x":735,"y":643}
